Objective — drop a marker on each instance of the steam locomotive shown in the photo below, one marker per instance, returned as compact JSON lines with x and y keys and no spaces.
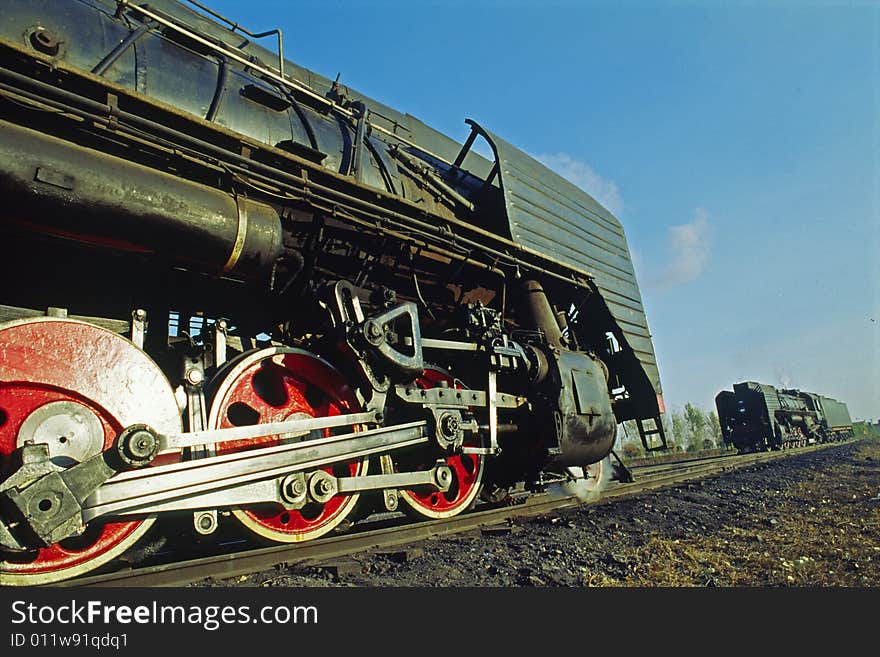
{"x":235,"y":290}
{"x":758,"y":417}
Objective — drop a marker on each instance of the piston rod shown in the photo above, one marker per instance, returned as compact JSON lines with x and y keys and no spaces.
{"x":136,"y":491}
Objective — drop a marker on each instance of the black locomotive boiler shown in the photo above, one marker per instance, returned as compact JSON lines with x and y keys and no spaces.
{"x":236,"y":291}
{"x":757,"y":417}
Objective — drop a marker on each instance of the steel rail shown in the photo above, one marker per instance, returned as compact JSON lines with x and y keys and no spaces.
{"x":235,"y":564}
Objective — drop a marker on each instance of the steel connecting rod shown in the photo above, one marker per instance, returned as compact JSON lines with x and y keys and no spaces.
{"x":177,"y":485}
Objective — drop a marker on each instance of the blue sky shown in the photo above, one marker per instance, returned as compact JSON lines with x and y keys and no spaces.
{"x":737,"y":142}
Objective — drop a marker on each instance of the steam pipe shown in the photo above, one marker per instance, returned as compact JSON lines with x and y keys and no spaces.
{"x":538,"y":314}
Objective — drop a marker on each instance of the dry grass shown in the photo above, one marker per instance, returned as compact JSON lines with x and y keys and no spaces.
{"x":826,"y":532}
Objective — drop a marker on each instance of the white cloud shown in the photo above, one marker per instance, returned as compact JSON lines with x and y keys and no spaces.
{"x":690,"y":248}
{"x":584,"y":176}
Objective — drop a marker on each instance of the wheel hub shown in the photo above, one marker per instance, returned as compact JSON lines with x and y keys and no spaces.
{"x":71,"y":430}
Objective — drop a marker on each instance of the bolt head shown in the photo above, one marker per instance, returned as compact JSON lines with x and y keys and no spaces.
{"x":449,"y":424}
{"x":141,"y":444}
{"x":45,"y":41}
{"x":195,"y":376}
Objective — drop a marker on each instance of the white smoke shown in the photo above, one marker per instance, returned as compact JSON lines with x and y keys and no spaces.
{"x":584,"y":176}
{"x":586,"y":486}
{"x":783,"y":377}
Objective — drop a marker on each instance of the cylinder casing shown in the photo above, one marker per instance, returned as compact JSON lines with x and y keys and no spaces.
{"x":584,"y":422}
{"x":51,"y":186}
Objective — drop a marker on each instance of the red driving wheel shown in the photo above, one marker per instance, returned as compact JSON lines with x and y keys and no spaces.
{"x":74,"y":386}
{"x":467,"y":469}
{"x":275,"y":385}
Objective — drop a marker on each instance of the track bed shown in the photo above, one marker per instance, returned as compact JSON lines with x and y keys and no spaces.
{"x":625,"y":538}
{"x":809,"y":520}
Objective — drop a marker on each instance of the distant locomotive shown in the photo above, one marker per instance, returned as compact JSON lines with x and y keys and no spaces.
{"x":236,"y":290}
{"x":758,"y":417}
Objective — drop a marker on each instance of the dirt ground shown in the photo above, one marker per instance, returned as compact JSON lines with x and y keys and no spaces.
{"x":805,"y":521}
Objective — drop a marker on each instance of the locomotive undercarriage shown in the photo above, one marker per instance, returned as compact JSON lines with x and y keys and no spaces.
{"x":422,"y":407}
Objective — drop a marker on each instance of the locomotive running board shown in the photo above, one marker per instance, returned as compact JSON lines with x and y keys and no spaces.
{"x":158,"y":488}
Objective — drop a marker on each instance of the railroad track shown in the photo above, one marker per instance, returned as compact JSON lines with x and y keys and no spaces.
{"x":376,"y":534}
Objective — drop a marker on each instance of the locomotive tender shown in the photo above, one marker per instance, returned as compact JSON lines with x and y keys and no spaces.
{"x":233,"y":288}
{"x":756,"y":417}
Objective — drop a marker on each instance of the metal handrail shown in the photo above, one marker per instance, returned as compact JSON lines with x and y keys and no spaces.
{"x":235,"y":26}
{"x":267,"y":72}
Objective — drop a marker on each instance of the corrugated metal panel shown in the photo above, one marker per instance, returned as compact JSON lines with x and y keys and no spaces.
{"x":551,"y":216}
{"x":771,"y":397}
{"x":836,"y":413}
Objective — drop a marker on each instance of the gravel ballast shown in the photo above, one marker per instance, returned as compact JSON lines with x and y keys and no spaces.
{"x":811,"y":519}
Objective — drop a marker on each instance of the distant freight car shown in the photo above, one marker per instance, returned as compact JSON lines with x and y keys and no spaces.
{"x":836,"y":423}
{"x":756,"y":417}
